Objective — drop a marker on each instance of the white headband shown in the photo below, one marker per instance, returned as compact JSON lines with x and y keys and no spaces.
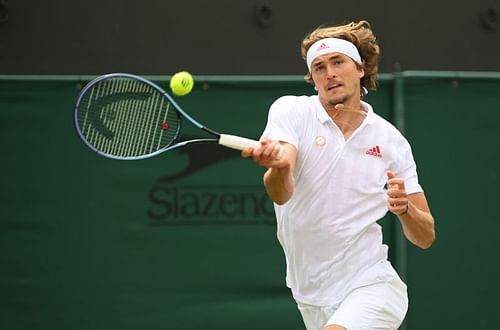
{"x":332,"y":45}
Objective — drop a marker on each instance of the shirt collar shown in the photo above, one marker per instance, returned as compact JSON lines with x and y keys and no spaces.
{"x":370,"y":115}
{"x":323,"y":115}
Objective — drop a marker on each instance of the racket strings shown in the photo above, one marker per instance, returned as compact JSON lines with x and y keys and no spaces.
{"x":127,"y":118}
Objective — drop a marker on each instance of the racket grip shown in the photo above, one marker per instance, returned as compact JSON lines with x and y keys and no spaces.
{"x":236,"y":142}
{"x":240,"y":143}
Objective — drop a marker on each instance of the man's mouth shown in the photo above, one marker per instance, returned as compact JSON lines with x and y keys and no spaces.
{"x":333,"y":86}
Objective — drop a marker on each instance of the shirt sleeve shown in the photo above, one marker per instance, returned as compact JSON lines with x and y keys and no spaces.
{"x":283,"y":121}
{"x":406,"y":168}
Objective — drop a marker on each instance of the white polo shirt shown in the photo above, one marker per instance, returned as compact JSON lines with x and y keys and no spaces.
{"x":328,"y":229}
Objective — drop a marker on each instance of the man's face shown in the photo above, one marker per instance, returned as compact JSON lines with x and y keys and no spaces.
{"x":336,"y":78}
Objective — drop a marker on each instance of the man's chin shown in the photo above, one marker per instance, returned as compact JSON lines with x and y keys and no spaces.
{"x":334,"y":101}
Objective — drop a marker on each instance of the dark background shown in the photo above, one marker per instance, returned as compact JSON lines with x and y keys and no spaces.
{"x":221,"y":37}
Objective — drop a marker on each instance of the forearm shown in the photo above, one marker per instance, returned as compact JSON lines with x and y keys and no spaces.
{"x":279,"y":183}
{"x":418,"y":226}
{"x":279,"y":158}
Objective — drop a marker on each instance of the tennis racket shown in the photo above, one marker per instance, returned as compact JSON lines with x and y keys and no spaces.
{"x":126,"y":117}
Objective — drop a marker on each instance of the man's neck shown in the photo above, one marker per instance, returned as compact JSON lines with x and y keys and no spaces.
{"x":347,"y":117}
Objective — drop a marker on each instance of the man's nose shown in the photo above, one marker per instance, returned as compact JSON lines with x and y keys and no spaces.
{"x":331,"y":72}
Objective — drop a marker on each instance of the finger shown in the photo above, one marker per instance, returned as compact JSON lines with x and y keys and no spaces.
{"x":395,"y":192}
{"x":268,"y":151}
{"x":265,"y":141}
{"x":397,"y":200}
{"x":394,"y":182}
{"x":259,"y":150}
{"x":274,"y":151}
{"x":247,"y":152}
{"x":390,"y":180}
{"x":280,"y":152}
{"x":394,"y":189}
{"x":398,"y":209}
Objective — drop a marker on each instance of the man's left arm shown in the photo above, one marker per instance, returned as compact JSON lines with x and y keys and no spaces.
{"x":413,"y":212}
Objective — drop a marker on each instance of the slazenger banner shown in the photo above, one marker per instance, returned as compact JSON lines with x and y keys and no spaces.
{"x":209,"y":189}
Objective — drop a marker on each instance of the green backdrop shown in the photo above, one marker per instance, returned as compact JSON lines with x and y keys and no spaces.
{"x":187,"y":240}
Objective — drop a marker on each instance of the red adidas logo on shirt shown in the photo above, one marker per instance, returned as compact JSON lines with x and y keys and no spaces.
{"x":375,"y":151}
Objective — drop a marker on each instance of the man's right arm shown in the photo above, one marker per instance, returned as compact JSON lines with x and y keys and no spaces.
{"x":279,"y":180}
{"x":279,"y":158}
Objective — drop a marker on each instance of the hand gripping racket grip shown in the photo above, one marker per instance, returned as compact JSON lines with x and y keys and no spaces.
{"x":240,"y":143}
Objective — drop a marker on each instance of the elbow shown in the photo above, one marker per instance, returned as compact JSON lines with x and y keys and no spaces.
{"x":280,"y":198}
{"x":281,"y":201}
{"x":279,"y":195}
{"x":427,"y":235}
{"x":428,"y":242}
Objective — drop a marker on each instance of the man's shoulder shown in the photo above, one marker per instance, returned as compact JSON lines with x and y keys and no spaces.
{"x":294,"y":103}
{"x":384,"y":123}
{"x":384,"y":127}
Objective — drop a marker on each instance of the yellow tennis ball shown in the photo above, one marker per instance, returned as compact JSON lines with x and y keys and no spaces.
{"x":181,"y":83}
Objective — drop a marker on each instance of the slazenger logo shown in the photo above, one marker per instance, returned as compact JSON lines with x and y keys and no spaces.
{"x":173,"y":203}
{"x":178,"y":204}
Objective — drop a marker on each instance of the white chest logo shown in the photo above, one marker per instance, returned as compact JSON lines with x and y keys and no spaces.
{"x":320,"y":141}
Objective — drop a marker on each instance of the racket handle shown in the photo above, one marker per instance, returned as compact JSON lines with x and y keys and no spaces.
{"x":240,"y":143}
{"x":236,"y":142}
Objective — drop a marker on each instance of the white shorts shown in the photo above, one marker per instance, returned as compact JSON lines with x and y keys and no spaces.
{"x":379,"y":306}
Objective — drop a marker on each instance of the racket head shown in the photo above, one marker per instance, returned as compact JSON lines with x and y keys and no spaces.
{"x":126,"y":117}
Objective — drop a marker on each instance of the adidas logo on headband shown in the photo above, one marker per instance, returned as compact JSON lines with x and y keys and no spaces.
{"x":322,"y":46}
{"x":332,"y":45}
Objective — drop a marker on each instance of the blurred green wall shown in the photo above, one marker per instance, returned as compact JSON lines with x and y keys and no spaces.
{"x":186,"y":240}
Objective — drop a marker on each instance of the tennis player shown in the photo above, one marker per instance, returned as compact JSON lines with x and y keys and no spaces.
{"x":334,"y":168}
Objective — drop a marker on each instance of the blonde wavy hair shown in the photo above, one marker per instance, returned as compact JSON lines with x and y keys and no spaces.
{"x":361,"y":35}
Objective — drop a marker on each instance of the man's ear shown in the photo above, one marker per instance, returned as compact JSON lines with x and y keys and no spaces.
{"x":314,"y":84}
{"x":361,"y":72}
